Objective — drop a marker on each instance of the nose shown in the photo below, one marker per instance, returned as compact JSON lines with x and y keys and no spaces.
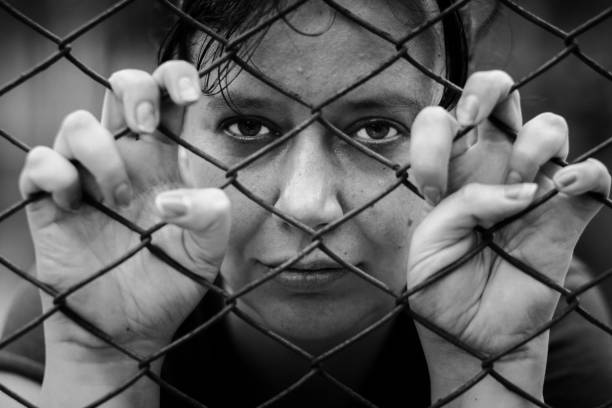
{"x":309,"y":178}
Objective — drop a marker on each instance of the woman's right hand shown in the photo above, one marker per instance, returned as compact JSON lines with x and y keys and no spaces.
{"x":141,"y":302}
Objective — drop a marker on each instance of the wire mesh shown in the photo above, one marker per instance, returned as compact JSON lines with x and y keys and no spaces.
{"x":452,"y":85}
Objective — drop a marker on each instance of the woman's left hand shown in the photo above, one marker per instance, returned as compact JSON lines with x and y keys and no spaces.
{"x":481,"y":179}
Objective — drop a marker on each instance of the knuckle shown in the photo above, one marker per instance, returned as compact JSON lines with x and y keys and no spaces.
{"x":219,"y":202}
{"x":492,"y":77}
{"x":125,"y":75}
{"x":554,"y":122}
{"x":433,"y":114}
{"x":90,"y":151}
{"x":118,"y":78}
{"x":526,"y":154}
{"x":515,"y":98}
{"x":549,"y":129}
{"x":177,"y":66}
{"x":599,"y":167}
{"x":607,"y":178}
{"x":425,"y":171}
{"x":469,"y":191}
{"x":477,"y":76}
{"x":36,"y":156}
{"x":110,"y":173}
{"x":129,"y":79}
{"x":501,"y":76}
{"x":77,"y":121}
{"x":109,"y":178}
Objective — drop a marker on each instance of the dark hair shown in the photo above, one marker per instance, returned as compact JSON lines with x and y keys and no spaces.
{"x":226,"y":18}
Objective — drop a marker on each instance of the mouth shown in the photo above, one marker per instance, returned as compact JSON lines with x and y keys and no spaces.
{"x":308,"y":277}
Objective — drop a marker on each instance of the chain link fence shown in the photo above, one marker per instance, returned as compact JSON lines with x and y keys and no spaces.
{"x":449,"y":17}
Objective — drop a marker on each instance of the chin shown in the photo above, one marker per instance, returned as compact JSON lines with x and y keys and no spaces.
{"x":318,"y":322}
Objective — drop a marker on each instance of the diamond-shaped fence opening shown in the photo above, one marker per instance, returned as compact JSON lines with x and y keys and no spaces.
{"x":563,"y":48}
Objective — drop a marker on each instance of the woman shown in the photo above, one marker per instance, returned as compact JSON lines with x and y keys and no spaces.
{"x":313,"y":179}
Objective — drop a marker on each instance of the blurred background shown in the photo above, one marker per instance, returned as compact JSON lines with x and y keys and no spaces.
{"x":33,"y":111}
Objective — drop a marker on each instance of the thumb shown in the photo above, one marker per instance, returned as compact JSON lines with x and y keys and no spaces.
{"x":204,"y":215}
{"x":474,"y":204}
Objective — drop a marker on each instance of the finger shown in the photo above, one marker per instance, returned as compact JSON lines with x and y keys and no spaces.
{"x":182,"y":82}
{"x":112,"y":116}
{"x":472,"y":205}
{"x":205,"y":216}
{"x":488,"y":92}
{"x":431,"y":144}
{"x":46,"y":170}
{"x":134,"y":100}
{"x":541,"y":139}
{"x":81,"y":137}
{"x":180,"y":79}
{"x":580,"y":178}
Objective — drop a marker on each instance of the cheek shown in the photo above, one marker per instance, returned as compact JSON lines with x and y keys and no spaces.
{"x":388,"y":227}
{"x":247,"y":215}
{"x":197,"y":172}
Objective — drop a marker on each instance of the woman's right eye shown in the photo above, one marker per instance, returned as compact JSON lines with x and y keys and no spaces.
{"x":249,"y":129}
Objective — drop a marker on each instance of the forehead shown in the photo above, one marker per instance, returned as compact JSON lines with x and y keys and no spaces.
{"x":337,"y":51}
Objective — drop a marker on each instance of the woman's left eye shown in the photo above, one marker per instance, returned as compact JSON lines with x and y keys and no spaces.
{"x":378,"y":130}
{"x":247,"y":129}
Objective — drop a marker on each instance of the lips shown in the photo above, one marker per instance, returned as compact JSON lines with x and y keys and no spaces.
{"x":308,"y":276}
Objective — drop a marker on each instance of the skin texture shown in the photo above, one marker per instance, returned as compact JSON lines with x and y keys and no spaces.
{"x":315,"y":178}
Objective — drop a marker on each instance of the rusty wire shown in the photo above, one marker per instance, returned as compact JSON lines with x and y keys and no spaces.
{"x":448,"y":15}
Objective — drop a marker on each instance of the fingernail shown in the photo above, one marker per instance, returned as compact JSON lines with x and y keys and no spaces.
{"x":172,"y":206}
{"x":467,"y":110}
{"x":520,"y":191}
{"x":145,"y":116}
{"x":123,"y":195}
{"x":564,"y":180}
{"x":188,"y":90}
{"x":514,"y":177}
{"x":432,"y":195}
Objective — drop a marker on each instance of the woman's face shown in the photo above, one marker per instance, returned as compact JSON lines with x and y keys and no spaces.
{"x":316,"y":177}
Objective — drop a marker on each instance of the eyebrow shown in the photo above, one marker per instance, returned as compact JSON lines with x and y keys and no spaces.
{"x":386,"y":99}
{"x":243,"y":102}
{"x":381,"y":100}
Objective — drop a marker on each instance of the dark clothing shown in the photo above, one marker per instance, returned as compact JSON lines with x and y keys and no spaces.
{"x":206,"y":368}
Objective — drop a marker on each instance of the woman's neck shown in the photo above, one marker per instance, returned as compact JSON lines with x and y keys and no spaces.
{"x":276,"y":367}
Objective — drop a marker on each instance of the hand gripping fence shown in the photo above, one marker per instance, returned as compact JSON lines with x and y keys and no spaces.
{"x":452,"y":84}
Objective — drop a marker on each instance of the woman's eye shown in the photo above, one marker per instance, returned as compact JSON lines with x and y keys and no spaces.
{"x":247,"y":128}
{"x":378,"y":130}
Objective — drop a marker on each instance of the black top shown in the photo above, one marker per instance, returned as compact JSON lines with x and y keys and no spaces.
{"x":207,"y":368}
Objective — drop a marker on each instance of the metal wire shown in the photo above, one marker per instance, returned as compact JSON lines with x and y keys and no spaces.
{"x":570,"y":46}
